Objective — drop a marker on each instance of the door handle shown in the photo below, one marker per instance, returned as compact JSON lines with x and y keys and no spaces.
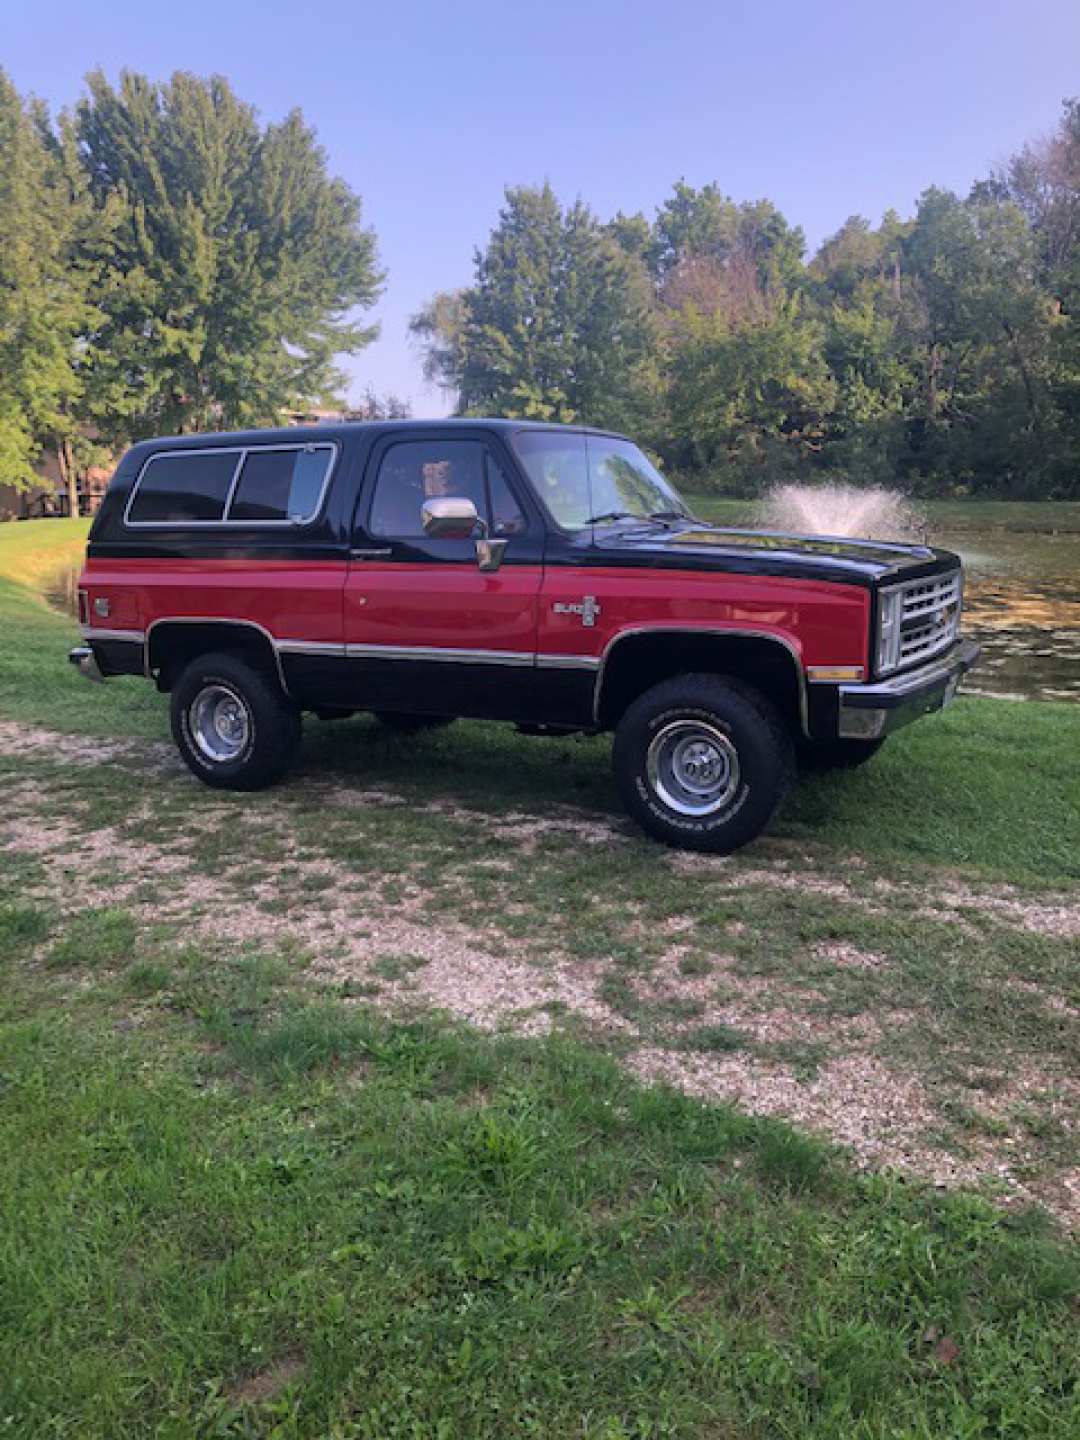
{"x":370,"y":554}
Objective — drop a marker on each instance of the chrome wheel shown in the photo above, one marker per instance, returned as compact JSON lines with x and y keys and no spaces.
{"x":220,"y":723}
{"x":693,"y":767}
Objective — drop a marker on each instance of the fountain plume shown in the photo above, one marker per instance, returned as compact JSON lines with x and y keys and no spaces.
{"x":848,"y":510}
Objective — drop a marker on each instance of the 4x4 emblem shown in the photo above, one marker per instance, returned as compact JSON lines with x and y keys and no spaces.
{"x":587,"y":607}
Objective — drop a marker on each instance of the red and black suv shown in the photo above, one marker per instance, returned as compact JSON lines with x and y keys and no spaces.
{"x":539,"y":574}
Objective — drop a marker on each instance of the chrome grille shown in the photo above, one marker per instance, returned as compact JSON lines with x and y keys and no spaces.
{"x":929,"y":616}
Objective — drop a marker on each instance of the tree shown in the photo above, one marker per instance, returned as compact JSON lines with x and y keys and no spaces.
{"x":706,"y":224}
{"x":379,"y":407}
{"x":557,"y":326}
{"x":514,"y":343}
{"x":874,"y":382}
{"x":632,"y":234}
{"x":1043,"y":181}
{"x":439,"y":329}
{"x":987,"y":338}
{"x":871,"y":318}
{"x":237,"y":262}
{"x":751,"y":399}
{"x":849,"y":258}
{"x":45,"y":309}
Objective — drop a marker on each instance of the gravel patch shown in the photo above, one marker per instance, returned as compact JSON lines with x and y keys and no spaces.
{"x":881,"y":1117}
{"x":884,"y":1117}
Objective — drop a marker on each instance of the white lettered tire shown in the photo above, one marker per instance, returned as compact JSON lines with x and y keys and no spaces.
{"x":703,"y":761}
{"x":233,"y":726}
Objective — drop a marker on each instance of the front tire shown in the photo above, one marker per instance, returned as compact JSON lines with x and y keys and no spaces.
{"x":702,"y":762}
{"x":232,"y":724}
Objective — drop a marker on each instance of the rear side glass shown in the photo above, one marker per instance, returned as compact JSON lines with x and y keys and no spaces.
{"x":184,"y":487}
{"x":269,"y":484}
{"x":280,"y":484}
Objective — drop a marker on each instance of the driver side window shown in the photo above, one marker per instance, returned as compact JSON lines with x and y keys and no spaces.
{"x":414,"y":471}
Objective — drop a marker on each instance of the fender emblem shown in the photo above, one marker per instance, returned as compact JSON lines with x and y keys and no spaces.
{"x":587,"y":608}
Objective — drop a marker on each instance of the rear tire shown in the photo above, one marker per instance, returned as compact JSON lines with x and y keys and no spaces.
{"x":703,"y":761}
{"x":234,"y":727}
{"x":837,"y":754}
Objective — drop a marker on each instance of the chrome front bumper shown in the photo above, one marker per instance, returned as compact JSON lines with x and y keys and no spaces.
{"x":83,"y":658}
{"x":869,"y":711}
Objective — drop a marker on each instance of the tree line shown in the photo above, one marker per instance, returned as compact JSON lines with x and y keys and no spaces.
{"x":941,"y":352}
{"x":167,"y":263}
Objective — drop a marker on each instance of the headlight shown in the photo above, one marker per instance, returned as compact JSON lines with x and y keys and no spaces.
{"x":888,"y":646}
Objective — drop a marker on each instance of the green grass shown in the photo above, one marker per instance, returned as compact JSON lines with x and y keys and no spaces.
{"x":37,"y":685}
{"x":33,"y":551}
{"x":238,"y":1201}
{"x":940,"y":793}
{"x":1045,"y":517}
{"x":721,"y":509}
{"x":235,"y":1207}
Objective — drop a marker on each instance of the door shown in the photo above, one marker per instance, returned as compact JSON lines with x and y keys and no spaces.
{"x":426,"y":631}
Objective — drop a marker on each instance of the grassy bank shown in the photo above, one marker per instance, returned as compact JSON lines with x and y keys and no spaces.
{"x":36,"y":683}
{"x":262,"y":1181}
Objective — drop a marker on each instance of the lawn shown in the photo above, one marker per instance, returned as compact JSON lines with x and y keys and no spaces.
{"x":265,"y":1178}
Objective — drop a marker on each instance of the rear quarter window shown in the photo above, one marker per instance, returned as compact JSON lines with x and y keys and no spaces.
{"x":243,"y":485}
{"x":183,"y":487}
{"x":280,"y":484}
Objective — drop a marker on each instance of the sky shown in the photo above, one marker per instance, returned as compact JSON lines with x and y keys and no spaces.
{"x":430,"y":110}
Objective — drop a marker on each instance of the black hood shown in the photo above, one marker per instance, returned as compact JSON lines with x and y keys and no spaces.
{"x":692,"y":545}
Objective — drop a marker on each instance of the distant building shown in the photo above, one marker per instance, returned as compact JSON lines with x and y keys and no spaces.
{"x":317,"y":416}
{"x":49,"y":496}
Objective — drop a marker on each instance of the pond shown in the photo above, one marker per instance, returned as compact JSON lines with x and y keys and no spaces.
{"x":1022,"y":601}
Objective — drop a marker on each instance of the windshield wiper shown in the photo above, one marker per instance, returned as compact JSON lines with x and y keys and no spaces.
{"x":659,"y":516}
{"x":608,"y":516}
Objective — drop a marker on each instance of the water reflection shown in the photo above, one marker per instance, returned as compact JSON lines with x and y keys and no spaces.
{"x":1022,"y":602}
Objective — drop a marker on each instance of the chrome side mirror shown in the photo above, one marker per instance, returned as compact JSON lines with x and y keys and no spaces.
{"x":449,"y":517}
{"x":452,"y":517}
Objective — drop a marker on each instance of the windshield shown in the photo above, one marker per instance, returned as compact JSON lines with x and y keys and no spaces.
{"x":593,"y":479}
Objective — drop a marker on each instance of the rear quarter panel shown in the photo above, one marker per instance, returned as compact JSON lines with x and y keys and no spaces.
{"x":293,"y":599}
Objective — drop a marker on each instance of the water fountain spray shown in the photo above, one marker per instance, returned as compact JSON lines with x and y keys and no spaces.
{"x":845,"y":510}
